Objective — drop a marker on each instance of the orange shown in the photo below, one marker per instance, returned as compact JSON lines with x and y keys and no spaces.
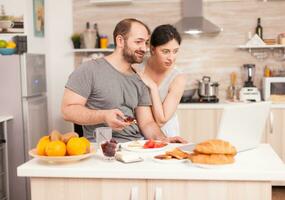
{"x":87,"y":144}
{"x":76,"y":146}
{"x":55,"y":148}
{"x":42,"y":145}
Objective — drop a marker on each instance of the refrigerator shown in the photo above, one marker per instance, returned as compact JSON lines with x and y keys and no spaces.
{"x":23,"y":95}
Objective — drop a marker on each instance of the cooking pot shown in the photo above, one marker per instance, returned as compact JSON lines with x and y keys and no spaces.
{"x":207,"y":88}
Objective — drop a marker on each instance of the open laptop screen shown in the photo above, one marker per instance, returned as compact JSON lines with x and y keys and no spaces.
{"x":243,"y":124}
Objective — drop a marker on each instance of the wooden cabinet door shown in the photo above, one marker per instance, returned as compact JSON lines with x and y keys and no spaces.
{"x":208,"y":190}
{"x":197,"y":125}
{"x":275,"y":131}
{"x":82,"y":189}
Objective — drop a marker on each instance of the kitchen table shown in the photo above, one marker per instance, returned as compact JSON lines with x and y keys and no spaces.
{"x":248,"y":178}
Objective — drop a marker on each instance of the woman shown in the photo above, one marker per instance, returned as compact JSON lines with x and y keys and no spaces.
{"x":165,"y":81}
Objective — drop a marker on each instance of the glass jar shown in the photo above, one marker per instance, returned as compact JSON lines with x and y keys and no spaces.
{"x":103,"y":41}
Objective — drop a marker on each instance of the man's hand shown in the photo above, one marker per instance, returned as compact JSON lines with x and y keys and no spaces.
{"x":113,"y":119}
{"x":175,"y":139}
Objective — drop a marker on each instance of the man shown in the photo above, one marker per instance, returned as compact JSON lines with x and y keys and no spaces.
{"x":102,"y":92}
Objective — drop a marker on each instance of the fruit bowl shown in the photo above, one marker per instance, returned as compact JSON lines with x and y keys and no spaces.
{"x":7,"y":51}
{"x":60,"y":159}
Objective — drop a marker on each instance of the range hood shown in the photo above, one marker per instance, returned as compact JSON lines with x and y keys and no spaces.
{"x":192,"y":21}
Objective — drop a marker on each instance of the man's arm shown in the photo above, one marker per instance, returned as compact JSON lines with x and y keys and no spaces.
{"x":74,"y":110}
{"x":147,"y":124}
{"x":150,"y":129}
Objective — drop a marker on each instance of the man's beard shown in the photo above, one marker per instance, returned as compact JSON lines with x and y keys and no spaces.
{"x":130,"y":56}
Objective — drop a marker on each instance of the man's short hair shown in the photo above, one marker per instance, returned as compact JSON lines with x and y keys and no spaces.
{"x":123,"y":28}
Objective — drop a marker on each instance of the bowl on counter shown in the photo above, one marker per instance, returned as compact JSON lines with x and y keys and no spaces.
{"x":7,"y":51}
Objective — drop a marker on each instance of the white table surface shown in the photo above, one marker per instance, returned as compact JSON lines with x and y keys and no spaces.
{"x":260,"y":164}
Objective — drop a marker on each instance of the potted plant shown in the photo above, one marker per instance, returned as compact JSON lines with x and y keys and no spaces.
{"x":76,"y":40}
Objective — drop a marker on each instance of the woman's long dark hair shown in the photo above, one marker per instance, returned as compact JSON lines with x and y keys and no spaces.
{"x":163,"y":34}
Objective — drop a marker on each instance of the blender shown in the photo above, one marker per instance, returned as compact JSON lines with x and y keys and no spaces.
{"x":249,"y":93}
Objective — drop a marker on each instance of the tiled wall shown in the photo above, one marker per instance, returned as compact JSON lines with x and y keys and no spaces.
{"x":216,"y":56}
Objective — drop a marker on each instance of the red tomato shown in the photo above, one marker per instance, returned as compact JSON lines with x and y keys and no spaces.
{"x":149,"y":144}
{"x":159,"y":144}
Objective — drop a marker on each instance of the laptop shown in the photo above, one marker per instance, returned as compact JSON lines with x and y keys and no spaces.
{"x":242,"y":125}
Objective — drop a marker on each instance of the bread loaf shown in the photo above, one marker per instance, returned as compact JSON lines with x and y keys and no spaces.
{"x":215,"y":146}
{"x":214,"y":159}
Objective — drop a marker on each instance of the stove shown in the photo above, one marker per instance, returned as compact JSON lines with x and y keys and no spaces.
{"x":200,"y":100}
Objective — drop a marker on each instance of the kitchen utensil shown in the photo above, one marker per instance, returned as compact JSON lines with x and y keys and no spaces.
{"x":102,"y":134}
{"x":139,"y":148}
{"x":61,"y":159}
{"x":207,"y":89}
{"x":232,"y":90}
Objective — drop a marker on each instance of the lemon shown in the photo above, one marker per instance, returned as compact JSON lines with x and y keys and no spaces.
{"x":3,"y":44}
{"x":11,"y":45}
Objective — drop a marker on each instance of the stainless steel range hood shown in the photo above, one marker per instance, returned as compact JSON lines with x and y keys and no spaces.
{"x":192,"y":21}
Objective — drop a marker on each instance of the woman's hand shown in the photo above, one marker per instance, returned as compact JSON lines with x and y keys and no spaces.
{"x":147,"y":80}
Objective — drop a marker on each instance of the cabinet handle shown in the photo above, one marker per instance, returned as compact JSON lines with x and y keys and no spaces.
{"x":271,"y":119}
{"x":134,"y":193}
{"x":158,"y":193}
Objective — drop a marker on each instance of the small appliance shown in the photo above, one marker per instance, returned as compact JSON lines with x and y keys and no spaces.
{"x":249,"y":93}
{"x":273,"y":86}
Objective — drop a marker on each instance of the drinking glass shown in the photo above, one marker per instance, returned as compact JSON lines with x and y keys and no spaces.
{"x":102,"y":134}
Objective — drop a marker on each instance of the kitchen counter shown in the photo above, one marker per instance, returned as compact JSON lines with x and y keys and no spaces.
{"x":250,"y":168}
{"x":4,"y":118}
{"x":219,"y":105}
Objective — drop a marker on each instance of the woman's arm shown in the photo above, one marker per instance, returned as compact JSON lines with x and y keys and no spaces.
{"x":163,"y":111}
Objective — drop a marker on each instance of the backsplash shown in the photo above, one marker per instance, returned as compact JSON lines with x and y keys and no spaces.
{"x":215,"y":56}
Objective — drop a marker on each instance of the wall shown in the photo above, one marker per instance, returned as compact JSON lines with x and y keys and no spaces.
{"x":57,"y":48}
{"x":59,"y":57}
{"x":11,"y":9}
{"x":216,"y":56}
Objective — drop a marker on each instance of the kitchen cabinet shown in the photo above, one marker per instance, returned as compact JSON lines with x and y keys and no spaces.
{"x":275,"y":131}
{"x":197,"y":125}
{"x":103,"y":189}
{"x":4,"y":172}
{"x":181,"y":190}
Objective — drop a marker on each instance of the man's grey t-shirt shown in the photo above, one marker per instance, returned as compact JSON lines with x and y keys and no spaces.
{"x":106,"y":88}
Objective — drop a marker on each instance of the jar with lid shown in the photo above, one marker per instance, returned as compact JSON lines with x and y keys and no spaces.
{"x":267,"y":71}
{"x":103,"y":41}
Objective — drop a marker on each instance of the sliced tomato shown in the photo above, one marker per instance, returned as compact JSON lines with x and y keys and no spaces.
{"x":149,"y":144}
{"x":159,"y":144}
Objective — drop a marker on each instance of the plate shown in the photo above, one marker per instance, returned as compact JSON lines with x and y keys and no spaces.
{"x":169,"y":161}
{"x":34,"y":154}
{"x":139,"y":148}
